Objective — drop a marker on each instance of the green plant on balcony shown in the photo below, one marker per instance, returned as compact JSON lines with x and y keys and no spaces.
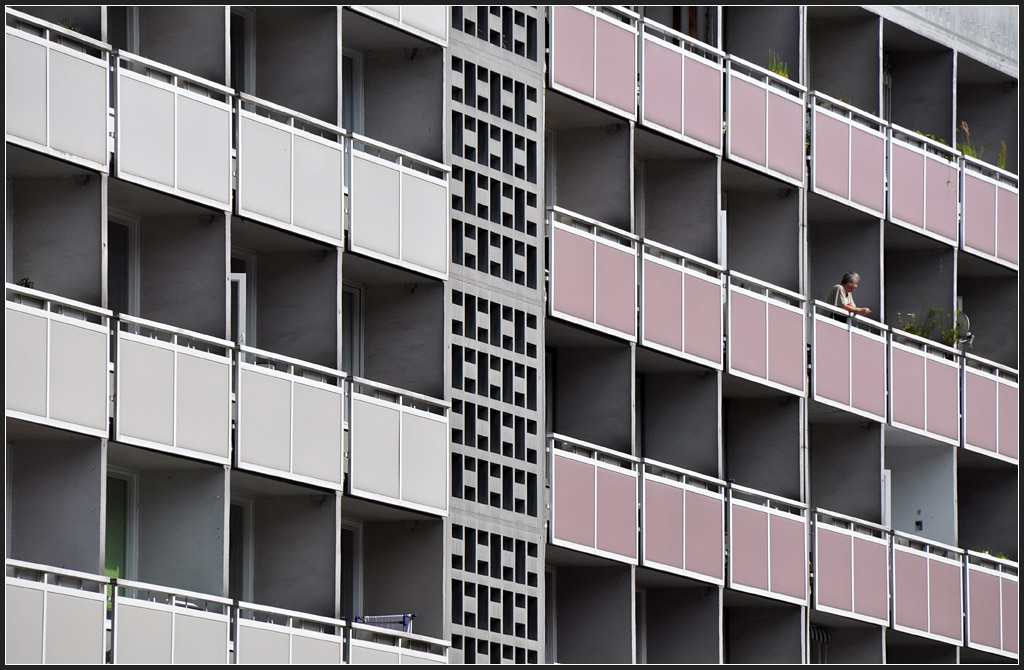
{"x":26,"y":282}
{"x":777,"y":65}
{"x":954,"y":327}
{"x":966,"y":146}
{"x":1001,"y":161}
{"x":932,"y":136}
{"x":920,"y":324}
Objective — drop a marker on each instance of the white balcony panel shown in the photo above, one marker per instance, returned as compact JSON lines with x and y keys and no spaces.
{"x":57,"y":96}
{"x":375,"y":470}
{"x":430,"y":21}
{"x":266,"y":643}
{"x":425,"y":453}
{"x":424,"y":222}
{"x":52,"y":624}
{"x":149,"y":632}
{"x":366,"y":652}
{"x":145,"y":132}
{"x":145,"y":396}
{"x":57,"y":365}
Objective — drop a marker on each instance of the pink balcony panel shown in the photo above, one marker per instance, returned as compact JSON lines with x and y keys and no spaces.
{"x":1007,"y":225}
{"x":573,"y":61}
{"x":907,"y":185}
{"x":663,"y":86}
{"x":786,"y":355}
{"x":945,"y":599}
{"x":1011,"y":614}
{"x":786,"y":139}
{"x":573,"y":274}
{"x":663,"y":524}
{"x":984,"y":619}
{"x":748,"y":334}
{"x":1009,"y":417}
{"x":870,"y":579}
{"x":943,"y":398}
{"x":868,"y":374}
{"x":616,"y":512}
{"x":663,"y":305}
{"x":832,"y":361}
{"x":616,"y":66}
{"x":788,"y":557}
{"x":833,"y":578}
{"x":748,"y":556}
{"x":747,"y":114}
{"x":942,"y":183}
{"x":702,"y":102}
{"x":980,"y":411}
{"x":702,"y":320}
{"x":867,"y":165}
{"x":831,"y":155}
{"x":979,"y":214}
{"x":574,"y":501}
{"x":704,"y":545}
{"x":910,"y":583}
{"x":616,"y":289}
{"x":907,"y":388}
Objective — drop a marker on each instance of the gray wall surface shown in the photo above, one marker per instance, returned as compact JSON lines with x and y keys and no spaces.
{"x":403,"y":336}
{"x":595,"y":615}
{"x":681,"y":205}
{"x":683,"y":625}
{"x":989,"y":302}
{"x":593,"y":396}
{"x":922,"y":91}
{"x":846,"y":462}
{"x":755,"y":634}
{"x":851,"y":645}
{"x":680,"y":420}
{"x":403,"y":99}
{"x":988,"y":519}
{"x":843,"y":58}
{"x":762,"y":444}
{"x":764,"y":236}
{"x":923,"y":489}
{"x":751,"y":32}
{"x":917,"y":280}
{"x":84,"y":20}
{"x":839,"y":247}
{"x":188,"y":38}
{"x":593,"y":172}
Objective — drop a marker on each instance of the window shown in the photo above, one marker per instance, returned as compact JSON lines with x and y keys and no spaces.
{"x":121,"y":549}
{"x":243,"y":57}
{"x":352,"y":90}
{"x":122,"y":262}
{"x":240,"y":549}
{"x":351,"y":569}
{"x":352,"y":330}
{"x":243,"y":297}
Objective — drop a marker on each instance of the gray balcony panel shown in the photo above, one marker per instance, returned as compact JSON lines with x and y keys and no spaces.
{"x":204,"y":149}
{"x":25,"y":89}
{"x":265,"y":169}
{"x":25,"y":355}
{"x":24,"y":630}
{"x":143,"y":635}
{"x":78,"y":375}
{"x":203,"y":404}
{"x":74,"y":628}
{"x":318,"y":187}
{"x":264,"y":420}
{"x":78,"y":106}
{"x":146,"y":392}
{"x":376,"y":207}
{"x":375,"y":448}
{"x":145,"y":145}
{"x":424,"y":223}
{"x":317,"y":433}
{"x":374,"y":655}
{"x":260,"y":645}
{"x":432,"y":19}
{"x":424,"y":460}
{"x":312,"y":650}
{"x":199,"y":639}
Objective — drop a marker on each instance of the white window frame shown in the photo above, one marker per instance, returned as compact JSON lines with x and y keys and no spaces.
{"x":131,"y":222}
{"x":358,"y":98}
{"x":131,"y":524}
{"x":356,"y":528}
{"x":248,"y":506}
{"x":247,"y":291}
{"x":358,"y":293}
{"x":248,"y":16}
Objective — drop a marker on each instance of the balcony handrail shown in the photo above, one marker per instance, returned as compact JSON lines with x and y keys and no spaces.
{"x":45,"y":570}
{"x":398,"y":635}
{"x":691,"y":44}
{"x":686,"y":475}
{"x":849,"y":110}
{"x":994,"y":562}
{"x":401,"y":153}
{"x":60,"y":30}
{"x":618,"y":11}
{"x":998,"y":369}
{"x":173,"y":593}
{"x":991,"y":171}
{"x":926,"y":345}
{"x":59,"y":300}
{"x":853,"y":522}
{"x":769,"y":497}
{"x":772,"y":289}
{"x":608,"y":229}
{"x":294,"y":363}
{"x":855,"y":319}
{"x":688,"y":259}
{"x":401,"y":393}
{"x":756,"y":71}
{"x":174,"y":331}
{"x":555,"y":438}
{"x":292,"y":615}
{"x":912,"y":136}
{"x":174,"y":72}
{"x":907,"y":540}
{"x":293,"y":115}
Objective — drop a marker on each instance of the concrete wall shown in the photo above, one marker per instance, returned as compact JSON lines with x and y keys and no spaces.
{"x":761,"y":635}
{"x":922,"y":91}
{"x":84,"y":20}
{"x":990,"y":110}
{"x":846,"y":462}
{"x":680,"y":422}
{"x":55,"y":499}
{"x":593,"y":173}
{"x":763,"y":235}
{"x":989,"y":302}
{"x":593,"y":396}
{"x":681,"y":205}
{"x":750,"y":32}
{"x":182,"y":273}
{"x":864,"y":645}
{"x":403,"y":336}
{"x":843,"y":57}
{"x":594,"y":615}
{"x":989,"y":518}
{"x":683,"y":625}
{"x":920,"y":652}
{"x":192,"y":39}
{"x":762,"y":444}
{"x":917,"y":280}
{"x":839,"y":247}
{"x":58,"y":235}
{"x":295,"y":552}
{"x":923,"y":490}
{"x":403,"y":99}
{"x":182,"y":534}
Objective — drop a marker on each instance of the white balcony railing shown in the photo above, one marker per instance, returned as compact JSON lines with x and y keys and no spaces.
{"x":993,"y":597}
{"x":924,"y":387}
{"x":924,"y":185}
{"x":991,"y":212}
{"x":849,"y":369}
{"x":991,"y":408}
{"x":270,"y":635}
{"x":927,"y":592}
{"x":427,"y":21}
{"x":373,"y":645}
{"x":851,"y":567}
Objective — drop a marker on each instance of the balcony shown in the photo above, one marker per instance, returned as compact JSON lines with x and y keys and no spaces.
{"x":399,"y":447}
{"x":924,"y":185}
{"x":766,"y":334}
{"x":847,"y":155}
{"x":271,"y":635}
{"x":173,"y":131}
{"x":290,"y":418}
{"x":158,"y":625}
{"x":767,"y":545}
{"x":594,"y":499}
{"x":399,"y":207}
{"x":593,"y":274}
{"x":683,"y":523}
{"x":927,"y":592}
{"x":681,"y":87}
{"x":56,"y":91}
{"x":372,"y":645}
{"x":766,"y":121}
{"x":991,"y":409}
{"x":593,"y":56}
{"x":173,"y":390}
{"x":290,"y":170}
{"x":924,"y":379}
{"x":56,"y":352}
{"x":54,"y":615}
{"x":851,"y":567}
{"x":426,"y":21}
{"x":682,"y":305}
{"x":991,"y":214}
{"x":992,"y":605}
{"x":849,"y":368}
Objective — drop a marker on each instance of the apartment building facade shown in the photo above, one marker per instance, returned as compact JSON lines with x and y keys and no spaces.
{"x":512,"y":319}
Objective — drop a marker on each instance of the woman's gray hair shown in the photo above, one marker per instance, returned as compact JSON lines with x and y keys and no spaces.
{"x":850,"y":277}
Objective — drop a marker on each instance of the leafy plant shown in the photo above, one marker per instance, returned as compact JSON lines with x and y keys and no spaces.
{"x":921,"y":324}
{"x":967,"y":146}
{"x":953,"y":327}
{"x":68,"y":25}
{"x":932,"y":137}
{"x":26,"y":282}
{"x":777,"y":65}
{"x":1001,"y":161}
